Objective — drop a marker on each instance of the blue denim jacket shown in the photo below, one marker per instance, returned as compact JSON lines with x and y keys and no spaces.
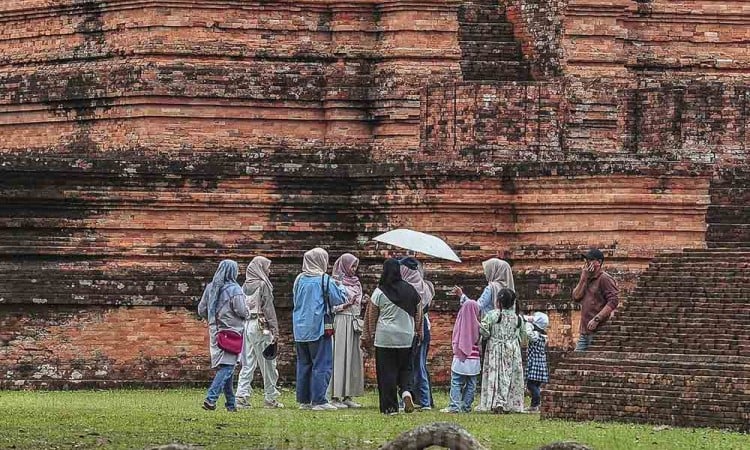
{"x":484,"y":300}
{"x":309,"y":307}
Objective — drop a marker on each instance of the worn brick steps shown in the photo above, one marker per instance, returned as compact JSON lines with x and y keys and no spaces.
{"x":704,"y":295}
{"x":694,"y":304}
{"x":491,"y":50}
{"x":488,"y":47}
{"x":677,"y":353}
{"x":683,"y":346}
{"x":698,"y":400}
{"x":496,"y":70}
{"x":651,"y":362}
{"x":678,"y":329}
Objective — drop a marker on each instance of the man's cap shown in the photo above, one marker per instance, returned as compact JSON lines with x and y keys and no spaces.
{"x":409,"y":261}
{"x":593,"y":253}
{"x":270,"y":351}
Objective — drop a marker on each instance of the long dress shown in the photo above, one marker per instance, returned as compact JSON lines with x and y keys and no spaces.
{"x":347,"y":379}
{"x":502,"y":374}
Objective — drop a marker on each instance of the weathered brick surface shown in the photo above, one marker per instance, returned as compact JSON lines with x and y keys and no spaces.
{"x":678,"y":352}
{"x":140,"y":145}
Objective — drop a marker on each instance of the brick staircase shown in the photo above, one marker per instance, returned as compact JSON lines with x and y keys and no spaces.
{"x":489,"y":52}
{"x":678,"y":353}
{"x":728,"y":216}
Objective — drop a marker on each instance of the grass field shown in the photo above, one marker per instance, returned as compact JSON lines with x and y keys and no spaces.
{"x":144,"y":418}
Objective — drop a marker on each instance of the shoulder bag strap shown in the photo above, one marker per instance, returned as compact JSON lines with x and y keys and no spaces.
{"x":326,"y":297}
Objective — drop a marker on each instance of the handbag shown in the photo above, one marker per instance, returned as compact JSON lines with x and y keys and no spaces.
{"x":328,"y":314}
{"x":227,"y":339}
{"x":230,"y":341}
{"x":358,"y":325}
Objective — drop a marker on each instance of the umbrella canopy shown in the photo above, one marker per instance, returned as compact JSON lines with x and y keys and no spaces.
{"x":418,"y":242}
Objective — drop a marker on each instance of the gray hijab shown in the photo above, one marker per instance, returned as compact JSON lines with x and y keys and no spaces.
{"x":499,"y":275}
{"x":225,"y":275}
{"x":257,"y":274}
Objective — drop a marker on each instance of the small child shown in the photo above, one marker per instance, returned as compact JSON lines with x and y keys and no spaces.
{"x":465,"y":366}
{"x":502,"y":373}
{"x":536,"y":361}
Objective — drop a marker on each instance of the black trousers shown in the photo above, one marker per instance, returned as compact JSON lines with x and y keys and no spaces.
{"x":393,"y":367}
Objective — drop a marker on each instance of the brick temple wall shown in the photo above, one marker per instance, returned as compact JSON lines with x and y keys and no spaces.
{"x":142,"y":145}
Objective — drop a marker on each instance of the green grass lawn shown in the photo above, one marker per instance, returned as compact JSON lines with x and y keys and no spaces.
{"x":143,"y":418}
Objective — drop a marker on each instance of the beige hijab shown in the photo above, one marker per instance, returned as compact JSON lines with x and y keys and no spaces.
{"x":257,"y":274}
{"x":315,"y":262}
{"x":499,"y":275}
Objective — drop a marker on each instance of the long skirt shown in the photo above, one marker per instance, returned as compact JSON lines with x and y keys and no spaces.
{"x":347,"y":379}
{"x":502,"y":378}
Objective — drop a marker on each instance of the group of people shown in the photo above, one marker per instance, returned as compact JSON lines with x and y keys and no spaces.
{"x":330,"y":335}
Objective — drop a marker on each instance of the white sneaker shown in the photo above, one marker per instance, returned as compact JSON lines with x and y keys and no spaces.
{"x":339,"y":405}
{"x":324,"y":407}
{"x":352,"y":404}
{"x":408,"y":402}
{"x":305,"y":406}
{"x":273,"y":404}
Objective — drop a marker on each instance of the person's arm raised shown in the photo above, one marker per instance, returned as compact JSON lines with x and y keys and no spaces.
{"x":580,"y":288}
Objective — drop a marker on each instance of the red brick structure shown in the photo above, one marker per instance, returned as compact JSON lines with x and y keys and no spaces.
{"x":142,"y":144}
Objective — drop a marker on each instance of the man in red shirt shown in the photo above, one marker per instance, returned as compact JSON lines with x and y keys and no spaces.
{"x":597,"y":291}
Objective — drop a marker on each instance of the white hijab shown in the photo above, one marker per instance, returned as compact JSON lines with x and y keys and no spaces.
{"x":315,"y":262}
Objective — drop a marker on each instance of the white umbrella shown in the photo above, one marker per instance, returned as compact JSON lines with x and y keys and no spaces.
{"x":418,"y":242}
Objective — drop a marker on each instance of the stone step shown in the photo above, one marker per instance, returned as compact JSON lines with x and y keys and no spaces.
{"x":721,"y":243}
{"x":664,"y":348}
{"x":672,"y":364}
{"x":490,"y":50}
{"x":495,"y":70}
{"x":688,"y":299}
{"x":485,"y":31}
{"x":650,"y":388}
{"x":627,"y":396}
{"x":676,"y":288}
{"x":676,"y":328}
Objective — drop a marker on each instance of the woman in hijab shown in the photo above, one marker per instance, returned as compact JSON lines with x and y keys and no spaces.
{"x":313,"y":345}
{"x":499,"y":275}
{"x":261,"y":330}
{"x":393,"y":324}
{"x":223,"y":304}
{"x":412,"y":272}
{"x":347,"y":380}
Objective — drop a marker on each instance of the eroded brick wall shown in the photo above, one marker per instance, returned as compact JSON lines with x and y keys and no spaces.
{"x":142,"y":145}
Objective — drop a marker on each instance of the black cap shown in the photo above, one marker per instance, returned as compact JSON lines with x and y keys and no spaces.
{"x":593,"y":253}
{"x":409,"y":261}
{"x":270,"y":351}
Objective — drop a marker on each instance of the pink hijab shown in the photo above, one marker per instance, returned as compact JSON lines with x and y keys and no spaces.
{"x":344,"y":270}
{"x":414,"y":277}
{"x":466,"y":330}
